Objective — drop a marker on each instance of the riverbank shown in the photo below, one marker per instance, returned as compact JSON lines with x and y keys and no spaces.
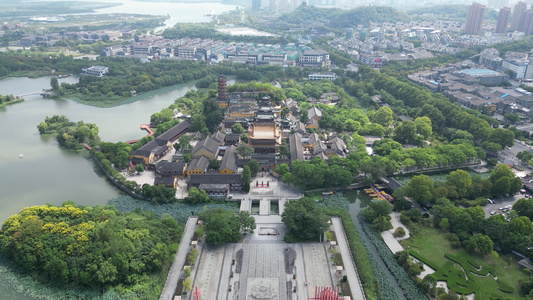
{"x":139,"y":97}
{"x":10,"y":102}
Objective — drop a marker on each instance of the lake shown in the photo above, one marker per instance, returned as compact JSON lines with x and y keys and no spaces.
{"x":177,"y":12}
{"x":49,"y":174}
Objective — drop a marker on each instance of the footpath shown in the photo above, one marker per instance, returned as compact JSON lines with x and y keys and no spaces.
{"x":179,"y":261}
{"x":347,"y":258}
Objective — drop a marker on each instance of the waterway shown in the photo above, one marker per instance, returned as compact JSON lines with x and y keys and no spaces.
{"x":48,"y":173}
{"x":358,"y":202}
{"x":177,"y":12}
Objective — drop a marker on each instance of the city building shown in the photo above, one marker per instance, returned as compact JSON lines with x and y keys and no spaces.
{"x":314,"y":58}
{"x":322,"y":75}
{"x":490,"y":58}
{"x":95,"y":71}
{"x":474,"y":20}
{"x":528,"y":22}
{"x":503,"y":20}
{"x":273,"y":5}
{"x":519,"y":13}
{"x":521,"y":68}
{"x":256,"y":5}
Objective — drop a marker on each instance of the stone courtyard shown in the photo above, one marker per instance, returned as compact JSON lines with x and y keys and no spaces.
{"x":263,"y":267}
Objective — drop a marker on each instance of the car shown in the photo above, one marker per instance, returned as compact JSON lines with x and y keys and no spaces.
{"x":505,"y":209}
{"x":508,"y":220}
{"x":501,"y":208}
{"x":490,"y":200}
{"x":492,"y":212}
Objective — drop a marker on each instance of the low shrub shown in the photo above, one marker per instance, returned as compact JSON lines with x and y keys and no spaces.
{"x":399,"y":232}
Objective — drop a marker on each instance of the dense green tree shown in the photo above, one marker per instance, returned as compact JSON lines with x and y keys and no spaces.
{"x":405,"y":133}
{"x":196,"y":196}
{"x":247,"y":222}
{"x":224,"y":226}
{"x":246,"y":178}
{"x":90,"y":247}
{"x":304,"y":220}
{"x":423,"y":127}
{"x":282,"y":169}
{"x":54,"y":83}
{"x":385,"y":146}
{"x":159,"y":193}
{"x":521,"y":226}
{"x":237,"y":128}
{"x":461,"y":181}
{"x":383,"y":116}
{"x":244,"y":150}
{"x":378,"y":215}
{"x":504,"y":180}
{"x":480,"y":244}
{"x":254,"y":167}
{"x":420,"y":189}
{"x":524,"y":207}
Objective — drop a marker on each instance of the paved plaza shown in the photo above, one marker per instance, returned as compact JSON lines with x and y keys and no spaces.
{"x":263,"y":267}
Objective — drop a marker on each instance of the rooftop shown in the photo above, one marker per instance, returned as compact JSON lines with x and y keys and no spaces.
{"x":479,"y":72}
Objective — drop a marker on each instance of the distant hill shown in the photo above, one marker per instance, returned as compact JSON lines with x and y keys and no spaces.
{"x":448,"y":12}
{"x":338,"y":18}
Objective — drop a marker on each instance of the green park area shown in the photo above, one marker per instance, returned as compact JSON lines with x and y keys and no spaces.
{"x":488,"y":277}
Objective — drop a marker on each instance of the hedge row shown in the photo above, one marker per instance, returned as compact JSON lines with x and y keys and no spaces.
{"x":359,"y":252}
{"x":409,"y":287}
{"x":418,"y":256}
{"x":456,"y":278}
{"x":471,"y":266}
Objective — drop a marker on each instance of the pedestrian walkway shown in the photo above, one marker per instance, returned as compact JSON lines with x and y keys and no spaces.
{"x":347,"y":258}
{"x":179,"y":261}
{"x":388,"y":236}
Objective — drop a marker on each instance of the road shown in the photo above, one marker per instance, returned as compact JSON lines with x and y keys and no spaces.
{"x":179,"y":261}
{"x":349,"y":266}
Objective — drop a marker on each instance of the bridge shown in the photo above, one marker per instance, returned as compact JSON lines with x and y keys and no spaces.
{"x":42,"y":93}
{"x":145,"y":127}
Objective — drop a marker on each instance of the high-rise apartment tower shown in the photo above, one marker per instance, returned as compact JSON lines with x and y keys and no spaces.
{"x":519,"y":13}
{"x":503,"y":20}
{"x":474,"y":20}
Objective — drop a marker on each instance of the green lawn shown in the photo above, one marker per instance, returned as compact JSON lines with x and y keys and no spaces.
{"x":431,"y":244}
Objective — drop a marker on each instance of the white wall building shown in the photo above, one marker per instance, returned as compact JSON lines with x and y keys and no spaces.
{"x":95,"y":71}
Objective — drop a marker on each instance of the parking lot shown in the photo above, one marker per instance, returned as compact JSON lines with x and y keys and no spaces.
{"x":501,"y":202}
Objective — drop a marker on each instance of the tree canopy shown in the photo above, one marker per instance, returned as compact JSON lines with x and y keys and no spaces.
{"x":224,"y":226}
{"x":304,"y":220}
{"x":95,"y":247}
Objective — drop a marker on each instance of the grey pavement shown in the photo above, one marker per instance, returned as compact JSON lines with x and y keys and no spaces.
{"x":388,"y":235}
{"x":301,"y":289}
{"x":179,"y":261}
{"x":316,"y":263}
{"x":501,"y":202}
{"x":347,"y":258}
